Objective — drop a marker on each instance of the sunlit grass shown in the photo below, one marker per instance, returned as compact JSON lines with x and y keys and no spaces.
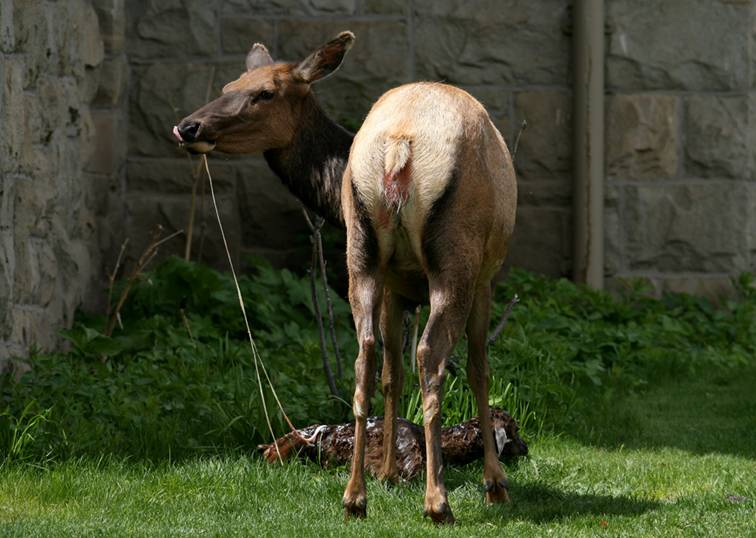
{"x":662,"y":463}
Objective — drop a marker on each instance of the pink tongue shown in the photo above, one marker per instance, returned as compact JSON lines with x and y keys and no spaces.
{"x":177,"y":134}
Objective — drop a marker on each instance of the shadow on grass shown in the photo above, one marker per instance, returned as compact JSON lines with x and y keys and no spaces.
{"x":542,"y":504}
{"x":711,"y":413}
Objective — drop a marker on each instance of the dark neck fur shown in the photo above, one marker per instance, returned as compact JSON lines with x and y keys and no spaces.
{"x":312,"y":166}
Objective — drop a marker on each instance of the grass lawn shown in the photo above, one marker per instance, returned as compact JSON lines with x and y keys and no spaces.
{"x":678,"y":459}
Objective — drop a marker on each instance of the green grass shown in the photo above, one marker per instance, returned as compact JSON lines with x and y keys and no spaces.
{"x":676,"y":459}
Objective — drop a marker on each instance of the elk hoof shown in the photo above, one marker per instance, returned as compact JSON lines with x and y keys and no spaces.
{"x":441,"y":515}
{"x":497,"y":491}
{"x":355,"y":509}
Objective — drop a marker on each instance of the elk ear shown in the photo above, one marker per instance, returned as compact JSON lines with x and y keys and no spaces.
{"x":258,"y":56}
{"x":325,"y":60}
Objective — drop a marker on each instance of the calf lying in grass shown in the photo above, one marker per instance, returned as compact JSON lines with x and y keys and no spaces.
{"x":331,"y":445}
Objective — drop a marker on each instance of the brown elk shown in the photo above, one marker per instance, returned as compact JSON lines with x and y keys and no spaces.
{"x":428,"y":196}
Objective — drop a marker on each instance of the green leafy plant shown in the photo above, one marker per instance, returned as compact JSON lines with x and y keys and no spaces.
{"x":18,"y":432}
{"x":176,"y":378}
{"x":460,"y":405}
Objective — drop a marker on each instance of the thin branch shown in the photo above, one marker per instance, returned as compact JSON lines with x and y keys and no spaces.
{"x":318,"y":239}
{"x":187,"y":326}
{"x":196,"y":178}
{"x":203,"y":222}
{"x":507,"y":312}
{"x":319,"y":318}
{"x":415,"y":331}
{"x":523,"y":126}
{"x":147,"y":256}
{"x":112,"y":276}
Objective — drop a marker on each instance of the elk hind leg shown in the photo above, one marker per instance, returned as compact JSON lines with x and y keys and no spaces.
{"x":494,"y":479}
{"x":449,"y":308}
{"x":364,"y":295}
{"x":392,"y":379}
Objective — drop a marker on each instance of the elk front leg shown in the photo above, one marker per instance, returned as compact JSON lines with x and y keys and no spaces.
{"x":448,"y":312}
{"x":392,"y":379}
{"x":364,"y":296}
{"x":494,"y":479}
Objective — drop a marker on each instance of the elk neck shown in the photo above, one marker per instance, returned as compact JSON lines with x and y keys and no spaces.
{"x":313,"y":164}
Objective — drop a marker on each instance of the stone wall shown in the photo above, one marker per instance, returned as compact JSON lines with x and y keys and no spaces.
{"x":181,"y":52}
{"x":680,"y":156}
{"x":53,"y":182}
{"x":679,"y":118}
{"x":89,"y":91}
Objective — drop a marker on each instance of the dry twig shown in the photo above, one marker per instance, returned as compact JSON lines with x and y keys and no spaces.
{"x":196,"y":178}
{"x":321,"y":331}
{"x":523,"y":126}
{"x":147,"y":256}
{"x":415,"y":330}
{"x":112,"y":276}
{"x":500,"y":326}
{"x":317,"y":240}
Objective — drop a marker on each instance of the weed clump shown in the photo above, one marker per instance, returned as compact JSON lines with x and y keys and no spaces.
{"x":176,"y":378}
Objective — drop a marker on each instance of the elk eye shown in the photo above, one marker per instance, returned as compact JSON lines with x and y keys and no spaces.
{"x":265,"y":95}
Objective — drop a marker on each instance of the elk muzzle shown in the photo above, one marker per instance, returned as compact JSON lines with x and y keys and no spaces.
{"x":189,"y":134}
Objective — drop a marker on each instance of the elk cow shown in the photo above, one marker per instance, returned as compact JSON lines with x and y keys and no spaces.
{"x":428,"y":197}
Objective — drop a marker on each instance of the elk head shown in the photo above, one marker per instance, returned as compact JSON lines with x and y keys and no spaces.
{"x":262,"y":109}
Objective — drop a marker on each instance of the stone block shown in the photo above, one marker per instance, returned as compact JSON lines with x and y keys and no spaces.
{"x":385,"y":7}
{"x":113,"y":81}
{"x":90,"y":50}
{"x":75,"y":47}
{"x":492,"y":42}
{"x":546,"y":145}
{"x":35,"y":203}
{"x":36,"y":272}
{"x":642,"y":136}
{"x":25,"y":324}
{"x":108,"y":132}
{"x":175,"y":176}
{"x":272,"y":217}
{"x":714,"y":288}
{"x":112,"y":17}
{"x":223,"y":73}
{"x":542,"y":241}
{"x":33,"y":37}
{"x":172,"y":29}
{"x":497,"y":102}
{"x":147,"y":210}
{"x":238,"y":34}
{"x":752,"y":225}
{"x":555,"y":192}
{"x":716,"y":136}
{"x":6,"y":283}
{"x":696,"y":227}
{"x":7,"y":206}
{"x":298,"y":8}
{"x":7,"y":33}
{"x":377,"y":62}
{"x":751,"y":136}
{"x":613,"y":246}
{"x":13,"y":140}
{"x":677,"y":44}
{"x":160,"y":96}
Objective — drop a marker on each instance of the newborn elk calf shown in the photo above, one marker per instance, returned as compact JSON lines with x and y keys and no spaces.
{"x":333,"y":445}
{"x":428,"y":198}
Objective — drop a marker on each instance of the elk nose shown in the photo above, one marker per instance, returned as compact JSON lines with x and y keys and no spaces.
{"x":188,"y":129}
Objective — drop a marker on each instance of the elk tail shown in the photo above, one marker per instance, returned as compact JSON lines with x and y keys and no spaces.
{"x":396,"y":177}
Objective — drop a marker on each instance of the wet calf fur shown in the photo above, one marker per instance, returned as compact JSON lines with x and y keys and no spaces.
{"x":332,"y":445}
